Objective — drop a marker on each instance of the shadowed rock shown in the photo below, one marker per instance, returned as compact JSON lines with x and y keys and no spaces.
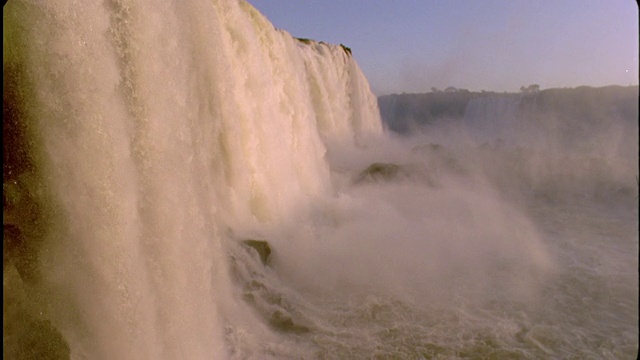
{"x":284,"y":323}
{"x":262,"y":247}
{"x":379,"y":172}
{"x":346,"y":49}
{"x":304,"y":40}
{"x":15,"y":250}
{"x":40,"y":340}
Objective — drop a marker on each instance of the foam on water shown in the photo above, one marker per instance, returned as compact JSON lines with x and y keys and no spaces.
{"x":151,"y":139}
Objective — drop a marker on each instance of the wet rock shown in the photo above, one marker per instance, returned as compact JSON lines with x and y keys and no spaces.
{"x":284,"y":323}
{"x":16,"y":251}
{"x":305,"y":40}
{"x":40,"y":340}
{"x":346,"y":49}
{"x":379,"y":172}
{"x":262,"y":247}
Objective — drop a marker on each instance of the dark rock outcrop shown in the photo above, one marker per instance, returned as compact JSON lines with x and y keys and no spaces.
{"x":262,"y":247}
{"x":259,"y":293}
{"x":379,"y":172}
{"x":305,"y":40}
{"x":282,"y":322}
{"x":346,"y":49}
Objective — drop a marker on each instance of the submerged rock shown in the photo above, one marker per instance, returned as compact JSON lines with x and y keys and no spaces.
{"x":262,"y":247}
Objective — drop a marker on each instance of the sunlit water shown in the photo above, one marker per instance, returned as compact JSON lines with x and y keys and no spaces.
{"x":150,"y":140}
{"x":418,"y":266}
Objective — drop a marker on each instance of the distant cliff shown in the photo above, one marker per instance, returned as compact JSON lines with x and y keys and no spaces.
{"x":405,"y":113}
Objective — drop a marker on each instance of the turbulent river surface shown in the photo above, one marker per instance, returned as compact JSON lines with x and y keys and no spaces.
{"x":184,"y":181}
{"x":444,"y":252}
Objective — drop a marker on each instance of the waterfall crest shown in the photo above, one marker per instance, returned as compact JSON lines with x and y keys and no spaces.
{"x":149,"y":129}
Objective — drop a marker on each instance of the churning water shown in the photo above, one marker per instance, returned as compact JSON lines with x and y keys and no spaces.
{"x":146,"y":142}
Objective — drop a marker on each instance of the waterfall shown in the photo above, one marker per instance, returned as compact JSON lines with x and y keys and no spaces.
{"x":147,"y":130}
{"x":492,"y":117}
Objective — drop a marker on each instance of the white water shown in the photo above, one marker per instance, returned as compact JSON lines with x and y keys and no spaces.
{"x":165,"y":133}
{"x":162,"y":124}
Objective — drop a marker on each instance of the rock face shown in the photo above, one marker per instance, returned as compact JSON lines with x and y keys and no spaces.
{"x":262,"y":247}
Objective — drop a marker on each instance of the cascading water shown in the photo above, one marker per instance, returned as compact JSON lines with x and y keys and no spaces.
{"x":184,"y":181}
{"x":152,"y":129}
{"x":490,"y":117}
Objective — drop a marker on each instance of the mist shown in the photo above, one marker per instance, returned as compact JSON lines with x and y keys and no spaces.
{"x":185,"y":180}
{"x":500,"y":216}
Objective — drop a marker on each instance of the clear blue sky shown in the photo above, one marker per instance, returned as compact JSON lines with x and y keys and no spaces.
{"x":499,"y":45}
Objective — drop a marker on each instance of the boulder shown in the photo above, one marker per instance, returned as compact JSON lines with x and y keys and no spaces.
{"x":284,"y":323}
{"x":262,"y":247}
